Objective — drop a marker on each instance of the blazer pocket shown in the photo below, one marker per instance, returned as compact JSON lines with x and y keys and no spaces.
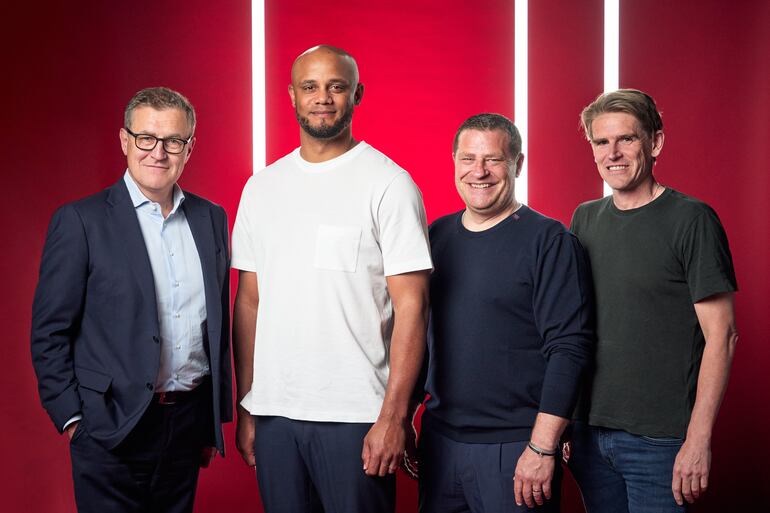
{"x":93,"y":380}
{"x":337,"y":248}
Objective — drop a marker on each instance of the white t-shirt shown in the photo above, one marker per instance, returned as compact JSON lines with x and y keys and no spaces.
{"x":321,"y":238}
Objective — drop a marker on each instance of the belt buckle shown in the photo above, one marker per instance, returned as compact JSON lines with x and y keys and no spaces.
{"x":166,"y":398}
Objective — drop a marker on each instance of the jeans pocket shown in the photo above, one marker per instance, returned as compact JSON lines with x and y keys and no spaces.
{"x":662,"y":441}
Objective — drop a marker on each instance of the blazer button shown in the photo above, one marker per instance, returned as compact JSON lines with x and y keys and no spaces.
{"x":149,"y":386}
{"x":155,"y":339}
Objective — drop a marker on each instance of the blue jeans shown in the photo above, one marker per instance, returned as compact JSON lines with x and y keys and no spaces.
{"x":618,"y":472}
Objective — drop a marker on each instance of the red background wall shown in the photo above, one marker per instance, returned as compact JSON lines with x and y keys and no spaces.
{"x":68,"y":71}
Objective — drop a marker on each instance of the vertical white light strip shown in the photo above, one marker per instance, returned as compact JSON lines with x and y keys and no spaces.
{"x":611,"y":44}
{"x":258,"y":129}
{"x":520,"y":89}
{"x":611,"y":52}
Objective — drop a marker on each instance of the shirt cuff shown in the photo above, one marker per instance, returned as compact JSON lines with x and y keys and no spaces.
{"x":74,"y":418}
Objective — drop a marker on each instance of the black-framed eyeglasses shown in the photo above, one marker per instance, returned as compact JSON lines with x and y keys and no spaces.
{"x":146,"y":142}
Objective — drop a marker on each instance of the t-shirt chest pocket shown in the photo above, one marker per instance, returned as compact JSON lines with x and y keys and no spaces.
{"x":337,"y":247}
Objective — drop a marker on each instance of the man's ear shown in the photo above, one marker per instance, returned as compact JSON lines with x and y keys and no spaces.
{"x":657,"y":143}
{"x":292,"y":96}
{"x":519,"y":164}
{"x":189,"y":149}
{"x":359,"y":94}
{"x":123,"y":135}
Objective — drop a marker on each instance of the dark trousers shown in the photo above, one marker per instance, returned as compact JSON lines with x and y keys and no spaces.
{"x":155,"y":469}
{"x":313,"y":467}
{"x":458,"y":477}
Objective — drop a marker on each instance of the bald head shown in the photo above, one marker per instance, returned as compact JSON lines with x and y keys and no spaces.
{"x":346,"y":62}
{"x":324,"y":91}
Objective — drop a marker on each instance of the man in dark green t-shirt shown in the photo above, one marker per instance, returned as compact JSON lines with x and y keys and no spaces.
{"x":664,"y":284}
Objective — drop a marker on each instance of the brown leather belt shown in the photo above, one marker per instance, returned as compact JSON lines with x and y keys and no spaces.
{"x":169,"y":398}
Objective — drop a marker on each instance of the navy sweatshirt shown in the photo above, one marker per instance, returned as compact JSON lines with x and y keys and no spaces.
{"x":511,"y":326}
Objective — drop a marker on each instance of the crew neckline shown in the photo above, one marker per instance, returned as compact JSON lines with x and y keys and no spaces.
{"x":632,"y":211}
{"x":520,"y":213}
{"x":328,"y":165}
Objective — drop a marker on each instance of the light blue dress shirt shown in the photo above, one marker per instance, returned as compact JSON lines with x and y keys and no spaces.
{"x":178,"y":276}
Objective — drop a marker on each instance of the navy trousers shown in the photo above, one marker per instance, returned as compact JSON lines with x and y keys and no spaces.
{"x":313,"y":467}
{"x":154,"y":470}
{"x":458,"y":477}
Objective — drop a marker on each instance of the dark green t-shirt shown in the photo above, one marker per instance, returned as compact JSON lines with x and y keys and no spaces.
{"x":650,"y":264}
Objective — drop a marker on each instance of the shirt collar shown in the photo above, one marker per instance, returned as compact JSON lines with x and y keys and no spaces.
{"x":139,"y":199}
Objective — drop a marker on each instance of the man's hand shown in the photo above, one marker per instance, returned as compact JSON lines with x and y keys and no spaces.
{"x":70,"y":430}
{"x":410,"y":464}
{"x":207,"y":456}
{"x":532,"y":479}
{"x":384,"y":447}
{"x":691,"y":471}
{"x":244,"y":438}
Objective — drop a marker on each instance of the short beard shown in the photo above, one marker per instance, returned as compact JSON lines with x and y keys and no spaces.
{"x":325,"y":131}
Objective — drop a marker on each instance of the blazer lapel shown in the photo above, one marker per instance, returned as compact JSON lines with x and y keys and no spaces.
{"x":127,"y":227}
{"x":202,"y":228}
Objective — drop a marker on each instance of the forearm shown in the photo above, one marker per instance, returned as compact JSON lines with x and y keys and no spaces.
{"x":244,"y":332}
{"x":547,"y":431}
{"x":563,"y":378}
{"x":716,"y":318}
{"x":712,"y":383}
{"x":407,"y":349}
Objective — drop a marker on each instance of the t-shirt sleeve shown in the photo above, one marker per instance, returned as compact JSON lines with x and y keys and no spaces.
{"x":403,"y":230}
{"x":244,"y":254}
{"x":706,"y":257}
{"x":563,"y":306}
{"x":574,"y":225}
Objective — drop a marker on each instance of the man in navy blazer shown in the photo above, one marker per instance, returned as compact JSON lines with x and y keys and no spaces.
{"x":130,"y":324}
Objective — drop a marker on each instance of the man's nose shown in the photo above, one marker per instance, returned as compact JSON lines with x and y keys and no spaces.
{"x":159,"y":151}
{"x":613,"y":151}
{"x":480,"y":168}
{"x":324,"y":96}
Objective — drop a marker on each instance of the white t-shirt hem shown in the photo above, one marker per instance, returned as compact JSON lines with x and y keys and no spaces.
{"x":310,"y":415}
{"x":408,"y":267}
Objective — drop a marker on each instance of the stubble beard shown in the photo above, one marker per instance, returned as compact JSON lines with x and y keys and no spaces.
{"x":325,"y":131}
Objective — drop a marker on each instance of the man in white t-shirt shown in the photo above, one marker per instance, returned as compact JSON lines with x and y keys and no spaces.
{"x":330,"y":314}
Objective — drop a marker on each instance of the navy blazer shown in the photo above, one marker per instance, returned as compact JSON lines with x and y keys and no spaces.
{"x":95,"y":333}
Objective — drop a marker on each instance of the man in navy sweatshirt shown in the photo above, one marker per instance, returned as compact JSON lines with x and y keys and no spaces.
{"x":511,"y":332}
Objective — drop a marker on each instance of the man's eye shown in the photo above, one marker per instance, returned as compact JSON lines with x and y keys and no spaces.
{"x":337,"y":88}
{"x":145,"y":139}
{"x":308,"y":88}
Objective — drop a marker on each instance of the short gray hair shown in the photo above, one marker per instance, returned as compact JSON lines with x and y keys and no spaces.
{"x":160,"y":98}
